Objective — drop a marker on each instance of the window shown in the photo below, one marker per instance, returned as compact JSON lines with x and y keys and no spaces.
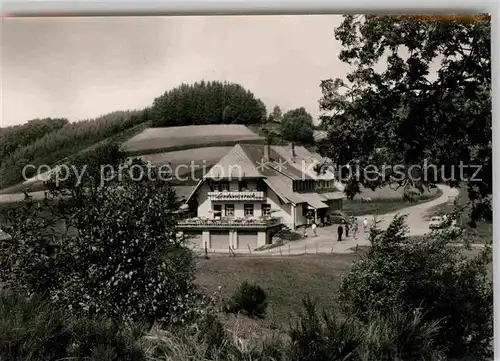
{"x":221,"y":186}
{"x":217,"y":211}
{"x":229,"y":210}
{"x":243,"y":185}
{"x":266,"y":210}
{"x":304,"y":210}
{"x":248,"y":209}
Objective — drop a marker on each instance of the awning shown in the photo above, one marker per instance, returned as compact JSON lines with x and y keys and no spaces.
{"x":314,"y":200}
{"x":333,"y":195}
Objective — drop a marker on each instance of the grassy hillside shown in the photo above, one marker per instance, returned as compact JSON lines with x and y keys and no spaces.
{"x":18,"y":136}
{"x":287,"y":280}
{"x":66,"y":141}
{"x":61,"y":155}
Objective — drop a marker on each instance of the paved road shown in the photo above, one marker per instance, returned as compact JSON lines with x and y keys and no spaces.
{"x":326,"y":241}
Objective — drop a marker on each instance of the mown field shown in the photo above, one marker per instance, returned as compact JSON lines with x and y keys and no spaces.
{"x":157,"y":140}
{"x":385,"y":200}
{"x":188,"y":166}
{"x":287,"y":280}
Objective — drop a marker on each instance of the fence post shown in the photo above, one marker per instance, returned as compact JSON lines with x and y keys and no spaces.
{"x":206,"y":251}
{"x":249,"y":249}
{"x":288,"y":248}
{"x":281,"y":252}
{"x":316,"y":248}
{"x":305,"y":249}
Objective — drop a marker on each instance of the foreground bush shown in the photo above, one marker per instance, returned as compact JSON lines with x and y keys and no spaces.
{"x":112,"y":251}
{"x":35,"y":330}
{"x":404,"y":275}
{"x":331,"y":336}
{"x":249,"y":299}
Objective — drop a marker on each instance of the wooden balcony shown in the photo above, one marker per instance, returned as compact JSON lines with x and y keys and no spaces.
{"x":229,"y":223}
{"x":237,"y":196}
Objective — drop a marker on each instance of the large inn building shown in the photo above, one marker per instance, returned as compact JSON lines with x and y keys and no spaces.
{"x":255,"y":190}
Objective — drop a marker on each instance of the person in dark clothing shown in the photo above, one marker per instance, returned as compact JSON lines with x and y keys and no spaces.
{"x":340,"y":230}
{"x":347,"y":229}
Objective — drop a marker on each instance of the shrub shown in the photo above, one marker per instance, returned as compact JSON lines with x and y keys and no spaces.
{"x":287,"y":235}
{"x":249,"y":299}
{"x":32,"y":329}
{"x":122,"y":260}
{"x":330,"y":336}
{"x":399,"y":273}
{"x":322,"y":336}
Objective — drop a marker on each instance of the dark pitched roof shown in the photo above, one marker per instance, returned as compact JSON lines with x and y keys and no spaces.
{"x":236,"y":164}
{"x":277,"y":162}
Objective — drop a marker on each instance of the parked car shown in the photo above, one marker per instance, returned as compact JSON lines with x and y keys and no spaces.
{"x":437,"y":222}
{"x":339,"y":217}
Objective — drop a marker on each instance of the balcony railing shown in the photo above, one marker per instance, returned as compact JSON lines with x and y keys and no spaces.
{"x":230,"y":223}
{"x":237,"y":196}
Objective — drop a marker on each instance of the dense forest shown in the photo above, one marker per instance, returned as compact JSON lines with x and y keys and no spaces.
{"x":69,"y":139}
{"x":207,"y":103}
{"x":18,"y":136}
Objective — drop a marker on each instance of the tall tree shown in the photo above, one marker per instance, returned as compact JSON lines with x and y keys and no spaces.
{"x":297,"y":126}
{"x":405,"y":114}
{"x":276,"y":115}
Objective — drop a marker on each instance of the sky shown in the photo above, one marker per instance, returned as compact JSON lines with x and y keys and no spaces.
{"x":80,"y":68}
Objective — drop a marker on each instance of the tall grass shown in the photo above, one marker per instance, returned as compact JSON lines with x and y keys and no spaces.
{"x":32,"y":329}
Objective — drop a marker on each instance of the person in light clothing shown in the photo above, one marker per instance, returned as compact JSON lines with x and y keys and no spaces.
{"x":365,"y":224}
{"x":355,"y":228}
{"x":313,"y":228}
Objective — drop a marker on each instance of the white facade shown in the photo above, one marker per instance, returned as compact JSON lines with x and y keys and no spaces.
{"x":291,"y":215}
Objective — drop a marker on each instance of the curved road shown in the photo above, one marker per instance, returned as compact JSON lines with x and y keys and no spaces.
{"x":326,"y":241}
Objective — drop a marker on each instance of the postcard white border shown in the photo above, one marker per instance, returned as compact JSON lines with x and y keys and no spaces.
{"x":240,"y":7}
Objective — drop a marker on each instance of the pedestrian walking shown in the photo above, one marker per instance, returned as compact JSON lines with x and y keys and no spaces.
{"x":313,"y":228}
{"x":365,"y":224}
{"x":355,"y":228}
{"x":346,"y":229}
{"x":340,"y":230}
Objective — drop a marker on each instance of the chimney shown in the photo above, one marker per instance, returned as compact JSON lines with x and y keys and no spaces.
{"x":266,"y":151}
